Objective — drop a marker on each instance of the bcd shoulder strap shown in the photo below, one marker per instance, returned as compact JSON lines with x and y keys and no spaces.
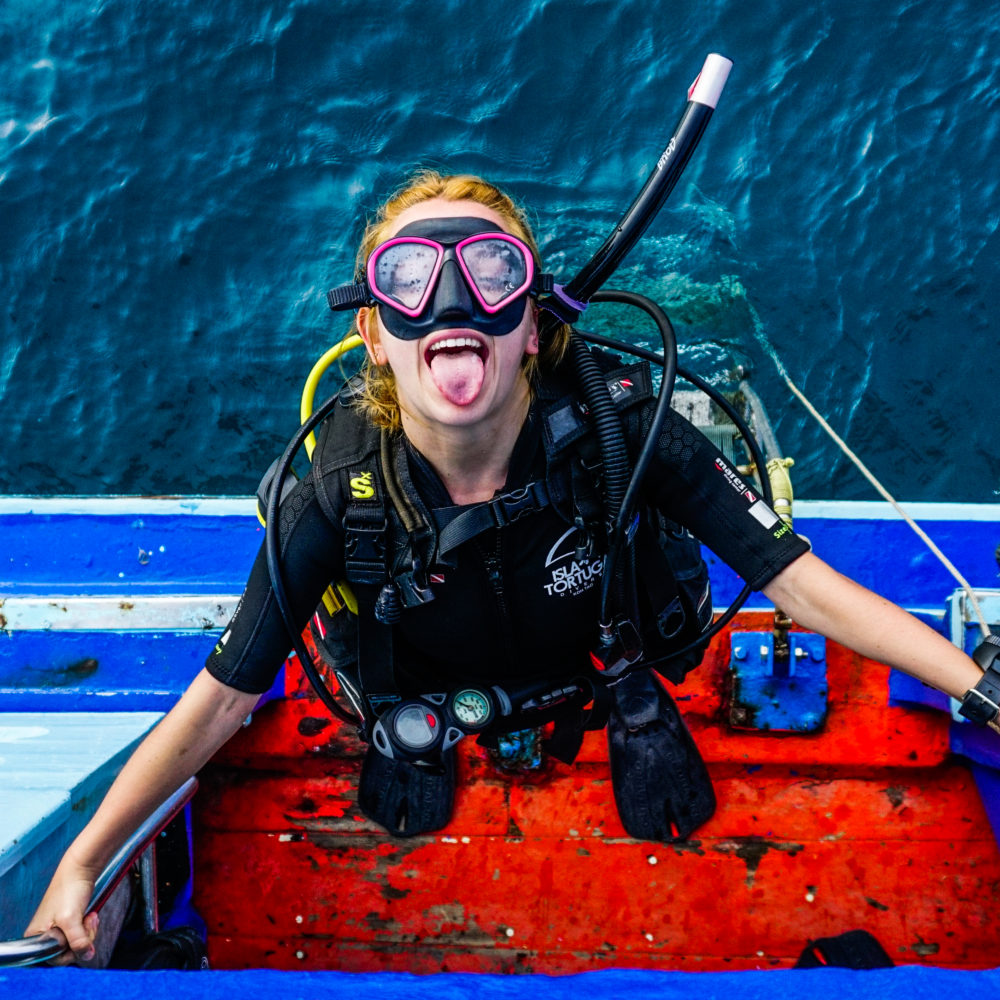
{"x":351,"y":460}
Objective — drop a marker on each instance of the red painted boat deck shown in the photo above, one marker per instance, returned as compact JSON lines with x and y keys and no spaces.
{"x":870,"y":824}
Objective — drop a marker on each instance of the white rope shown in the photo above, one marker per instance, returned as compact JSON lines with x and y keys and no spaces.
{"x":984,"y":627}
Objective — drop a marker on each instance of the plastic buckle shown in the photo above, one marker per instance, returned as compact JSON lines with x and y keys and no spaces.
{"x":618,"y":651}
{"x":978,"y":708}
{"x":411,"y":593}
{"x":509,"y":507}
{"x":364,"y":553}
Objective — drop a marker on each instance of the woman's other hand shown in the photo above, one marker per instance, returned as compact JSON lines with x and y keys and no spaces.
{"x":62,"y":913}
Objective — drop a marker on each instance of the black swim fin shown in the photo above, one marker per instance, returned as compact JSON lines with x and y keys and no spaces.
{"x":851,"y":950}
{"x":662,"y":788}
{"x":405,"y":799}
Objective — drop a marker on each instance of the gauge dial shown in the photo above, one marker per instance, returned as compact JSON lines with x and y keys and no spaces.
{"x":471,"y":708}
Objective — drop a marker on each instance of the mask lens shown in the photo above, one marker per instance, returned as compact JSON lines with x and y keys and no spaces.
{"x":497,"y":267}
{"x":402,"y":272}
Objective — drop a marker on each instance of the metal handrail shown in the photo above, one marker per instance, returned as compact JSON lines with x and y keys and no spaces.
{"x":40,"y":947}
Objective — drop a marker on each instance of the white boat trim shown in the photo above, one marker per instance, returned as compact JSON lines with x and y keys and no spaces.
{"x":123,"y":612}
{"x":134,"y":505}
{"x":876,"y":510}
{"x":247,"y":506}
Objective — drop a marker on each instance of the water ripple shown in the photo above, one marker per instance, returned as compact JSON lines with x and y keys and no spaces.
{"x":180,"y":183}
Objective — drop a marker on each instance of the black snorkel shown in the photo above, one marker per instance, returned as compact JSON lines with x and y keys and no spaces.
{"x":703,"y":95}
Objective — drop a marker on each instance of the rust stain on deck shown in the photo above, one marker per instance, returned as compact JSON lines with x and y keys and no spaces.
{"x":687,"y":847}
{"x":751,"y":851}
{"x":82,"y":668}
{"x":312,"y":725}
{"x":896,"y":794}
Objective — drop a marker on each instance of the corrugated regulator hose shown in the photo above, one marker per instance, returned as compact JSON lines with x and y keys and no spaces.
{"x":607,"y":425}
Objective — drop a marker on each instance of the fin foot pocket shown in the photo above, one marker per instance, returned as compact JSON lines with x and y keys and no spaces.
{"x":662,"y":788}
{"x":403,"y":798}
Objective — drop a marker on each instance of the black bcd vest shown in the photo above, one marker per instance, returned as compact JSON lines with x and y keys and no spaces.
{"x":392,"y":538}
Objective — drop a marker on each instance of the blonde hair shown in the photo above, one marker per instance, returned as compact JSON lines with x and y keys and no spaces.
{"x":378,"y":397}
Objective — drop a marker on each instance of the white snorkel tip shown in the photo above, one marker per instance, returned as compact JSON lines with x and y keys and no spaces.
{"x":709,"y":82}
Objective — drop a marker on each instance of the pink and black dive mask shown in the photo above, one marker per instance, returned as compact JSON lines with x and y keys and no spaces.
{"x":437,"y":274}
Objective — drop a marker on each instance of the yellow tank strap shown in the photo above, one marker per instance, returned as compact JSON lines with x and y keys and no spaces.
{"x":339,"y":596}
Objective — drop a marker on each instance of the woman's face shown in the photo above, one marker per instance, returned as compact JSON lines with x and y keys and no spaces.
{"x":456,"y":375}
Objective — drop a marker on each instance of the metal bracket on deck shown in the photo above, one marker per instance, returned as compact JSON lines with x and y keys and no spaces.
{"x":775,"y":694}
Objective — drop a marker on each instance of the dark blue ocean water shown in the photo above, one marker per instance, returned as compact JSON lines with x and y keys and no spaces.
{"x":181,"y":182}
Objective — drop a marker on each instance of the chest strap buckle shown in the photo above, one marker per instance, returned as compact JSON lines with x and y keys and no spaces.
{"x":364,"y":553}
{"x":508,"y":507}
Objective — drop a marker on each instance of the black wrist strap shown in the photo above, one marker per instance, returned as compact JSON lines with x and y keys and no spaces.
{"x":981,"y":704}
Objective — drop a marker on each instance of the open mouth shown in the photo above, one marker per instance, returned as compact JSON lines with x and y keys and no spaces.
{"x":456,"y":345}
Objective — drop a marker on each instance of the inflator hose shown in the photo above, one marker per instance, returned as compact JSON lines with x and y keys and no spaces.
{"x":668,"y":362}
{"x":610,"y":436}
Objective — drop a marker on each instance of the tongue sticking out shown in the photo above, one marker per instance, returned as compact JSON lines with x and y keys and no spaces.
{"x":458,"y":375}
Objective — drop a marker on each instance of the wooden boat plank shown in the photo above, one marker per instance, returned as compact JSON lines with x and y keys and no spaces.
{"x":576,"y":803}
{"x":544,"y":894}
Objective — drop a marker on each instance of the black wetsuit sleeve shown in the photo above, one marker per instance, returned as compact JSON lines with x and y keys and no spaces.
{"x":256,"y":641}
{"x":691,"y":482}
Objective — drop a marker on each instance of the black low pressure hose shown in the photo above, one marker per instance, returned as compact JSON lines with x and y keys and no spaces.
{"x":604,"y":416}
{"x":620,"y":516}
{"x":755,"y":453}
{"x":272,"y":548}
{"x":669,"y":364}
{"x":699,"y":383}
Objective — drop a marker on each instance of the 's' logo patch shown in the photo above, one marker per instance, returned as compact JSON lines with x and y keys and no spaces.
{"x":362,"y":487}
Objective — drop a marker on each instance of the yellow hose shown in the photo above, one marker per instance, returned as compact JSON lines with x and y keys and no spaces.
{"x":318,"y":370}
{"x":340,"y":594}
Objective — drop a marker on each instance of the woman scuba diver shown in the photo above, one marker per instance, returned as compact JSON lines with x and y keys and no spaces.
{"x":467,"y":403}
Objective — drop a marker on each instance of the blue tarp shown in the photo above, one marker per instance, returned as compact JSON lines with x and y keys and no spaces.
{"x":905,"y":983}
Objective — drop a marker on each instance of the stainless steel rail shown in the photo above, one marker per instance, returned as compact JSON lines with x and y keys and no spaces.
{"x":40,"y":947}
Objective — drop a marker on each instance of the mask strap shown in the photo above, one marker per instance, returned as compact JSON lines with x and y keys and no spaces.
{"x":349,"y":297}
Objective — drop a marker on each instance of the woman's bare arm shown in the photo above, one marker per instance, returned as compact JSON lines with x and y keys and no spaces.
{"x":205,"y":717}
{"x":819,"y":598}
